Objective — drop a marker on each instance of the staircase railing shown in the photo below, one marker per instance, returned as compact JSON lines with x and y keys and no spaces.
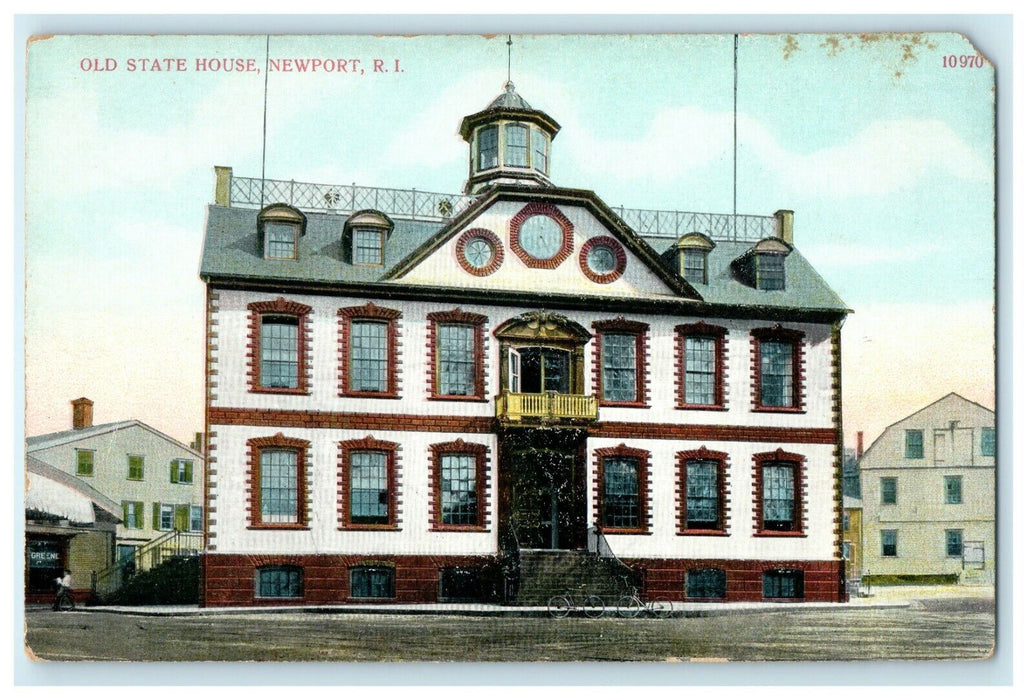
{"x":156,"y":552}
{"x":599,"y":546}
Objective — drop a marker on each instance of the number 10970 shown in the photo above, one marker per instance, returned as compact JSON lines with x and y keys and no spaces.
{"x":962,"y":61}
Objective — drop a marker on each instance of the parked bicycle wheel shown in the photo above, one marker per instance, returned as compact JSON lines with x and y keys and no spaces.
{"x":660,"y":608}
{"x":559,"y":606}
{"x":65,"y":603}
{"x":594,"y":606}
{"x":629,"y":606}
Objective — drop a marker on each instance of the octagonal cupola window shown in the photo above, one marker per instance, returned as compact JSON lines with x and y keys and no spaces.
{"x":510,"y":142}
{"x":280,"y":228}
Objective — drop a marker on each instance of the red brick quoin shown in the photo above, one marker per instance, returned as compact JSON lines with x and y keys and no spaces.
{"x":373,"y":313}
{"x":277,"y":307}
{"x":566,"y":230}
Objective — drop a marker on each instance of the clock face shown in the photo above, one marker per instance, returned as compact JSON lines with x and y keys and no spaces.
{"x":478,"y":251}
{"x":601,"y":260}
{"x":541,"y":237}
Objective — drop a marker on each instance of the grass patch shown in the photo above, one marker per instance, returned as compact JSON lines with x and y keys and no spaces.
{"x":911,"y":579}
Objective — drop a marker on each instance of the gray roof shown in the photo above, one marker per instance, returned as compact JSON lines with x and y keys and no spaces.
{"x":510,"y":100}
{"x":232,"y":249}
{"x":48,"y":440}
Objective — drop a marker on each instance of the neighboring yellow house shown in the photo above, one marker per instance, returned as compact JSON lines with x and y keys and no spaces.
{"x":852,"y":536}
{"x":928,"y":496}
{"x":157,"y":482}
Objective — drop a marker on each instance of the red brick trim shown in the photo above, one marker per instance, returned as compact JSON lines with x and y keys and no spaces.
{"x":800,"y":493}
{"x":229,"y":579}
{"x":278,"y":307}
{"x":665,"y":579}
{"x":641,"y":332}
{"x":599,"y":497}
{"x":372,"y":312}
{"x":493,"y":241}
{"x":719,"y":334}
{"x":394,"y":473}
{"x":566,"y":230}
{"x":724,"y":492}
{"x":458,"y":317}
{"x":438,"y":423}
{"x":253,"y":493}
{"x":620,"y":259}
{"x":780,"y":334}
{"x":435,"y":454}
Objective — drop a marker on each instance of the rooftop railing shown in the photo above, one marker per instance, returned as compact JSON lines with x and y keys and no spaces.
{"x":439,"y":206}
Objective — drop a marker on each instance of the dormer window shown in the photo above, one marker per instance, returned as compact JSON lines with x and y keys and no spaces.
{"x":365,"y":237}
{"x":280,"y":227}
{"x":693,"y":249}
{"x":764,"y":265}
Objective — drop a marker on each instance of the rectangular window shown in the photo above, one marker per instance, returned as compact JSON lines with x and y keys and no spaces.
{"x":699,"y":378}
{"x":516,"y":145}
{"x":133,"y":515}
{"x":539,"y":154}
{"x":913,"y":444}
{"x":705,"y":583}
{"x":458,"y":489}
{"x":181,"y":471}
{"x":771,"y":272}
{"x":782,"y":583}
{"x":368,"y":349}
{"x":621,"y":492}
{"x":953,"y":543}
{"x":372,"y":582}
{"x":84,"y":462}
{"x":136,"y":468}
{"x":279,"y":486}
{"x":987,"y":442}
{"x":888,"y":491}
{"x":694,"y":266}
{"x":953,"y":489}
{"x":779,"y":488}
{"x":368,"y":488}
{"x":456,"y":360}
{"x":166,"y":516}
{"x":279,"y":348}
{"x":278,"y":582}
{"x":197,"y":518}
{"x":367,"y":246}
{"x":777,"y":374}
{"x":701,"y":494}
{"x":619,"y":367}
{"x":280,"y":241}
{"x":488,"y":148}
{"x":889,"y":543}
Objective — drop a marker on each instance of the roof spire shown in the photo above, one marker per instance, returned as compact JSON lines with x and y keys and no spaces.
{"x":509,"y":50}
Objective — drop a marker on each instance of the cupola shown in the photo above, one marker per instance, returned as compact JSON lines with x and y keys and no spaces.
{"x":510,"y":142}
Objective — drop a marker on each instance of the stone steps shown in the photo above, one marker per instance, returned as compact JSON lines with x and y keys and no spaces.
{"x":546,"y":573}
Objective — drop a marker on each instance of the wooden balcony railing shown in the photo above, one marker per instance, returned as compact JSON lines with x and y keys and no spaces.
{"x":547,"y":407}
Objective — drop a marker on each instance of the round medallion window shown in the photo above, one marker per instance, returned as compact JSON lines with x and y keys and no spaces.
{"x":602,"y":260}
{"x":541,"y":237}
{"x":478,"y":251}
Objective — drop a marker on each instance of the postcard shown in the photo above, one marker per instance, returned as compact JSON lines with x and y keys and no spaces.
{"x":510,"y":347}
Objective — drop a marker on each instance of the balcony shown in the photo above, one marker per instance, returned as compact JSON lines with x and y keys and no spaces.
{"x":548,"y":407}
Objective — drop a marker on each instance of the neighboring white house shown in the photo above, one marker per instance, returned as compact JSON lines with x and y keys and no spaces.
{"x":403,"y":385}
{"x":156,"y":480}
{"x":928,"y":493}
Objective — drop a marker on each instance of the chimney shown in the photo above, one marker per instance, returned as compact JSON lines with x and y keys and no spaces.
{"x":860,"y":444}
{"x":223,"y":177}
{"x":785,"y":218}
{"x":82,"y":413}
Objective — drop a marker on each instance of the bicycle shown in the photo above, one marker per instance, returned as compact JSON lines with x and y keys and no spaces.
{"x":560,"y":606}
{"x":65,"y":602}
{"x":631,"y":606}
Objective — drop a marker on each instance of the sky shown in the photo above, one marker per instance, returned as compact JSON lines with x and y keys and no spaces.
{"x":884,"y":152}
